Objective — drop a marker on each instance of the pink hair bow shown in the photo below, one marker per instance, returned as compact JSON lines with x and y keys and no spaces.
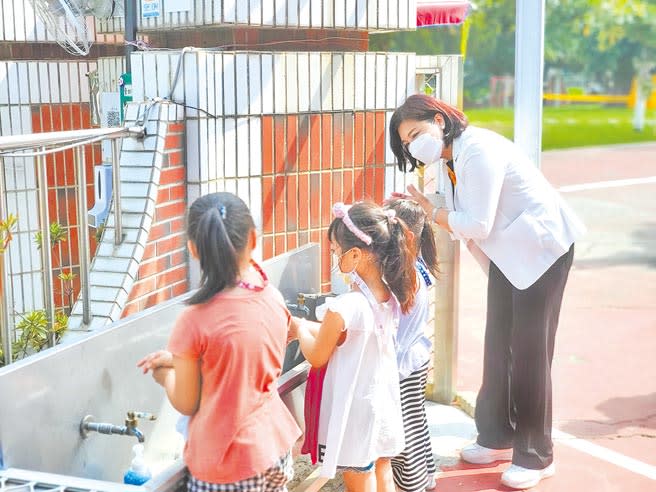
{"x":340,"y":210}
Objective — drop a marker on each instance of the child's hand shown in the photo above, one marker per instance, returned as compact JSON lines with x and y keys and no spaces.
{"x":160,"y":374}
{"x":154,"y":360}
{"x":294,"y":323}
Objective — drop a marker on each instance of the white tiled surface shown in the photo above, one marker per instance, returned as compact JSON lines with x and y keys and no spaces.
{"x":368,"y":15}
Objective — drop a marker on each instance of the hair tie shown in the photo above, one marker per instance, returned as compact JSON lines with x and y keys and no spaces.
{"x":222,"y":211}
{"x":391,"y":216}
{"x":341,"y":212}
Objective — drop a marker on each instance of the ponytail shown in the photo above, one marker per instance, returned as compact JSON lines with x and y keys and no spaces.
{"x":428,"y":249}
{"x":218,"y":224}
{"x":417,"y":221}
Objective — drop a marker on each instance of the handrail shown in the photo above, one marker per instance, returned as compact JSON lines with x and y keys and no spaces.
{"x":33,"y":140}
{"x":38,"y":145}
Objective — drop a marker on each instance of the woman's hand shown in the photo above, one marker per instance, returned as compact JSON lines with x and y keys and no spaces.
{"x":155,"y":360}
{"x":439,"y":216}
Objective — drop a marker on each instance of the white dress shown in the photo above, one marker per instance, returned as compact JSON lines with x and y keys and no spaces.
{"x":360,"y":419}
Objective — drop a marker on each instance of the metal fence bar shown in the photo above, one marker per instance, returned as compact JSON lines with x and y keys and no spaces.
{"x":83,"y":233}
{"x":6,"y":330}
{"x":116,"y":177}
{"x":46,"y":253}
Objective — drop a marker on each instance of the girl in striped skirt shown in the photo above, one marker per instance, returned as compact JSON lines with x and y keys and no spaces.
{"x":414,"y":469}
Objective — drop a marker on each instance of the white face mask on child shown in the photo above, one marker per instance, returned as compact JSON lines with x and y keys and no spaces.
{"x":349,"y":277}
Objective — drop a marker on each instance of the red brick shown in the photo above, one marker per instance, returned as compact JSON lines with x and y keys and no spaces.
{"x":291,"y":159}
{"x":267,"y":205}
{"x":171,"y":277}
{"x":292,"y":206}
{"x":315,"y":142}
{"x":326,"y":141}
{"x":174,"y":159}
{"x":267,"y":145}
{"x":338,"y":132}
{"x":177,"y":225}
{"x":369,"y":136}
{"x":172,"y":175}
{"x":149,"y":251}
{"x":380,"y":138}
{"x":170,"y":210}
{"x":163,"y":195}
{"x":130,"y":308}
{"x":279,"y":143}
{"x":153,"y":267}
{"x":142,"y":287}
{"x":326,"y":199}
{"x":358,"y":184}
{"x":178,"y":258}
{"x":175,"y":128}
{"x":292,"y":241}
{"x":347,"y":183}
{"x":179,"y":288}
{"x":303,"y":201}
{"x":315,"y":200}
{"x":358,"y":139}
{"x":337,"y":187}
{"x":379,"y":184}
{"x":173,"y":142}
{"x":177,"y":192}
{"x":279,"y":205}
{"x":158,"y":231}
{"x":267,"y":247}
{"x":304,"y":142}
{"x":170,"y":244}
{"x":280,"y":247}
{"x":315,"y":236}
{"x":369,"y":179}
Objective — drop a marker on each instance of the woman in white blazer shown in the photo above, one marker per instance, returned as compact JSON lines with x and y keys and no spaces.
{"x":522,"y":232}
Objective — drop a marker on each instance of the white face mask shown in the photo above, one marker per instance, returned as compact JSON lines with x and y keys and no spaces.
{"x":426,"y":148}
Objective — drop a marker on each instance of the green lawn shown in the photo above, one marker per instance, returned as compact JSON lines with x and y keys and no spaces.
{"x":573,"y":126}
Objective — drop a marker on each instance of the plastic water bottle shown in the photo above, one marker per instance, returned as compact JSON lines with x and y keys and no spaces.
{"x":138,"y":473}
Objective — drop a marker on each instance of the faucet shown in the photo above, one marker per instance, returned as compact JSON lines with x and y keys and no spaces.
{"x":88,"y":424}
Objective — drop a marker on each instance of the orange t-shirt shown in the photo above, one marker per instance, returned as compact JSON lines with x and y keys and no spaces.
{"x":242,"y":426}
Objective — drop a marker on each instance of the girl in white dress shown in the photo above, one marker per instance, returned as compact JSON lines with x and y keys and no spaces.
{"x":360,"y":422}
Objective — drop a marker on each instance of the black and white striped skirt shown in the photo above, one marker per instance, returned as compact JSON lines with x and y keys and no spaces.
{"x":414,"y":468}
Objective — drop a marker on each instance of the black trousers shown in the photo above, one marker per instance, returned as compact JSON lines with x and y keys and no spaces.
{"x":513,"y":408}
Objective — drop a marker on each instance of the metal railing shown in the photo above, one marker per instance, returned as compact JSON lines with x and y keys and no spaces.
{"x":39,"y":145}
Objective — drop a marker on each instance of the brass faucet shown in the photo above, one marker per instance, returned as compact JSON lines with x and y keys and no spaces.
{"x":130,"y":428}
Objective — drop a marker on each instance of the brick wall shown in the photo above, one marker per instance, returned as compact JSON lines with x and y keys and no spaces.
{"x":162,"y":272}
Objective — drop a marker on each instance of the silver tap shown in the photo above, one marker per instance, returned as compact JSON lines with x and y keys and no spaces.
{"x":130,"y":428}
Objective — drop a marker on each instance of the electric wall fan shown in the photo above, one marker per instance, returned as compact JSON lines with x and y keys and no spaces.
{"x":67,"y":20}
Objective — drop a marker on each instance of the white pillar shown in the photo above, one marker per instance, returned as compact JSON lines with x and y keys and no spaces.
{"x":529,"y":66}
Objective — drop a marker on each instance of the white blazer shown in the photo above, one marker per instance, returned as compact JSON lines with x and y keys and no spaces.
{"x":507,"y":208}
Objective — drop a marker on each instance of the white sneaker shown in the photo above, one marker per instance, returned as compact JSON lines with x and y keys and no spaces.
{"x":480,"y":455}
{"x":518,"y":477}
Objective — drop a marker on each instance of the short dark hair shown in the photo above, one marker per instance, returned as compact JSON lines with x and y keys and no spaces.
{"x":421,"y":107}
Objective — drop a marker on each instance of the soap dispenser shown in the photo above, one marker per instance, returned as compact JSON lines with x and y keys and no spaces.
{"x":138,"y":473}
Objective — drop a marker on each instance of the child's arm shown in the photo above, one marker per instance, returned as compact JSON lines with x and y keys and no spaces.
{"x":318,"y":345}
{"x":182,"y":384}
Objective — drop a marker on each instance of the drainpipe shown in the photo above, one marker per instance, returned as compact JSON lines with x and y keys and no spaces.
{"x":130,"y":7}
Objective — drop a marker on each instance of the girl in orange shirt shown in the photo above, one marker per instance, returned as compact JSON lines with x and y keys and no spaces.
{"x":224,"y":358}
